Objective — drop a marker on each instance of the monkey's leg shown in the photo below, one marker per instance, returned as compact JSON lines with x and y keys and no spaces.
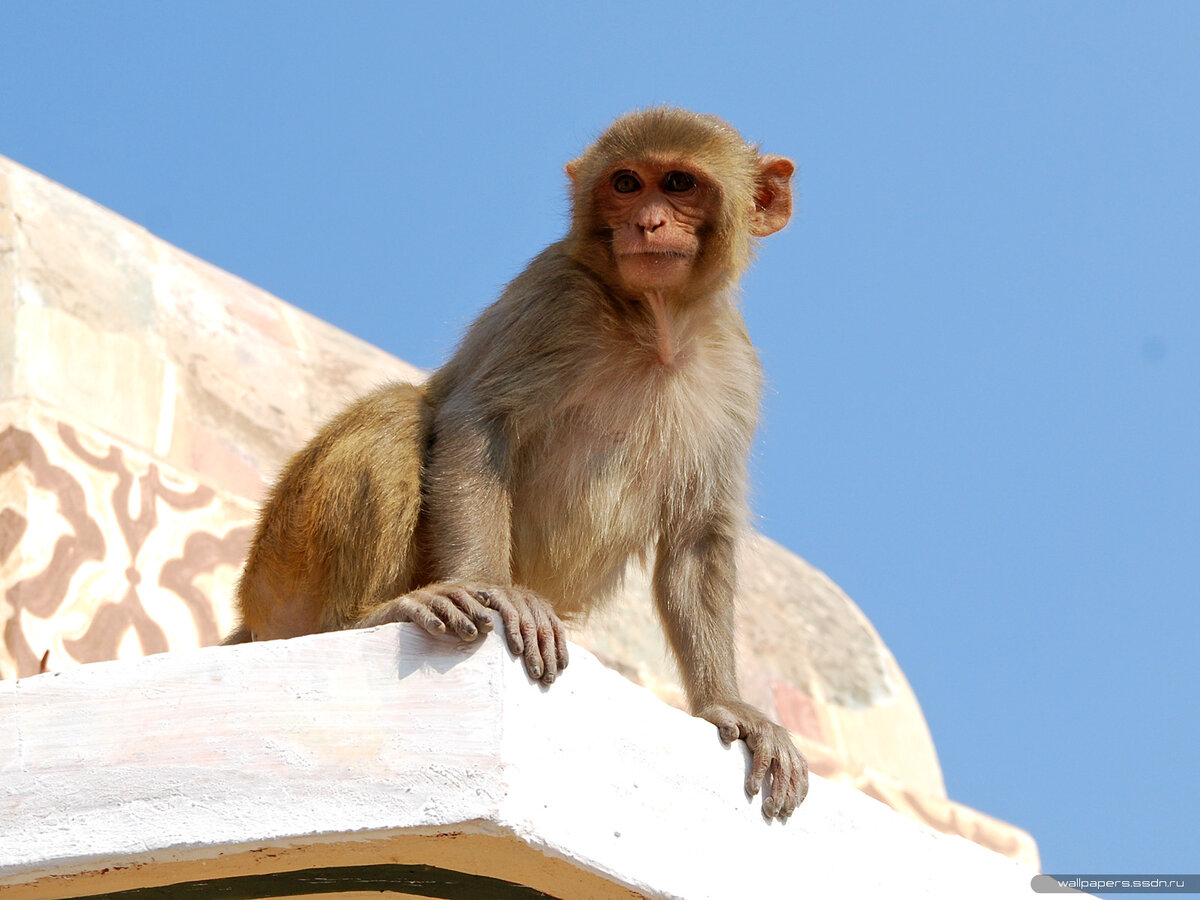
{"x":534,"y":631}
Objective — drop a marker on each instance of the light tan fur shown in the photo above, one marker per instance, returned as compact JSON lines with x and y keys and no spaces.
{"x":601,"y":409}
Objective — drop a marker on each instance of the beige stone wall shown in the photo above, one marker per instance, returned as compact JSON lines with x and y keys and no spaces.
{"x":146,"y":398}
{"x":114,"y":328}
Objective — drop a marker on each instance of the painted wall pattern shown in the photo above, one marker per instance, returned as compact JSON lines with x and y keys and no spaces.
{"x":104,"y":554}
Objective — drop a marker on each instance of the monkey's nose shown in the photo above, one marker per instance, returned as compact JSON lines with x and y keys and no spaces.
{"x":651,"y":218}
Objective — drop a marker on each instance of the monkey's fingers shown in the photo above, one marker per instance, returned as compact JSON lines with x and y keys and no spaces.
{"x":550,"y":636}
{"x":774,"y":801}
{"x":761,"y":759}
{"x":510,"y":617}
{"x":797,"y":788}
{"x":728,"y":725}
{"x":411,"y":608}
{"x":788,"y":769}
{"x":534,"y":631}
{"x":545,"y":637}
{"x":551,"y":641}
{"x":560,"y":642}
{"x":531,"y":631}
{"x":458,"y":622}
{"x":466,"y":603}
{"x":431,"y":608}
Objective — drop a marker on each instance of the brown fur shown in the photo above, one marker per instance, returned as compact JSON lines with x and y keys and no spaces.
{"x":601,"y":409}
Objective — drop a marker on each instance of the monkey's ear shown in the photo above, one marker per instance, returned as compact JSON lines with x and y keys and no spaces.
{"x":572,"y":169}
{"x":772,"y":195}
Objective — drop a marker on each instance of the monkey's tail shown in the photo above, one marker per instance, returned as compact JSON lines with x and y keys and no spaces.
{"x":239,"y":635}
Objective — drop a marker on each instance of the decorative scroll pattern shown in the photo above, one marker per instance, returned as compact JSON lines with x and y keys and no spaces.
{"x":104,"y":556}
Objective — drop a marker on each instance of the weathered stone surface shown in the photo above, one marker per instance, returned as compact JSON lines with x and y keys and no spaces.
{"x":283,"y":755}
{"x":116,"y":329}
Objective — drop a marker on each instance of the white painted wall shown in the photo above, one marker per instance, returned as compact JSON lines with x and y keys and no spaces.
{"x":373,"y":731}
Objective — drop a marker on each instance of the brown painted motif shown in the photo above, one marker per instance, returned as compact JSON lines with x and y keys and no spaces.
{"x":42,"y":594}
{"x":48,"y":593}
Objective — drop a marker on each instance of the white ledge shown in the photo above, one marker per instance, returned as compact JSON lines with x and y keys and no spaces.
{"x":262,"y":757}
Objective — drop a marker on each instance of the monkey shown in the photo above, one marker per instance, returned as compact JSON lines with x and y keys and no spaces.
{"x":601,"y":410}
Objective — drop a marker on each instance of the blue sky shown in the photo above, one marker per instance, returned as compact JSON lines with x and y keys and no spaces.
{"x":981,"y":331}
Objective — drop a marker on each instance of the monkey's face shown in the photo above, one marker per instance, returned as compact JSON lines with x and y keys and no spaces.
{"x":656,"y":214}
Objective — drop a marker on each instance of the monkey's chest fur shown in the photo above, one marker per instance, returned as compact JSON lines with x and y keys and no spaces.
{"x":633,"y":449}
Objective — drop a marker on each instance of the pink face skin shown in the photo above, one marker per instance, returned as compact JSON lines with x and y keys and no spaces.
{"x":655,"y":212}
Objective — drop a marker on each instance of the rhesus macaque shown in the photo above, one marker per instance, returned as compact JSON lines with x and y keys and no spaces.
{"x":602,"y":408}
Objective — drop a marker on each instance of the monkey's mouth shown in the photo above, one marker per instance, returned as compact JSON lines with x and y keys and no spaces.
{"x":654,"y":255}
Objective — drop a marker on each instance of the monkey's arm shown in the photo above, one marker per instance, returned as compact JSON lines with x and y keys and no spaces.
{"x":694,"y":584}
{"x":469,"y":534}
{"x":503,"y":371}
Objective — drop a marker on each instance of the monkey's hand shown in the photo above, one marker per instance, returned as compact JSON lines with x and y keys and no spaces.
{"x":771,"y":750}
{"x":437,"y":608}
{"x":535,"y":633}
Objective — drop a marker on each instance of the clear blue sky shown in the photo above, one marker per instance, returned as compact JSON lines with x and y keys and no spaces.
{"x":981,"y":330}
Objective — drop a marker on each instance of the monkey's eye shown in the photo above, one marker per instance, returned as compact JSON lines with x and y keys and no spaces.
{"x":678,"y":182}
{"x":625,"y":182}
